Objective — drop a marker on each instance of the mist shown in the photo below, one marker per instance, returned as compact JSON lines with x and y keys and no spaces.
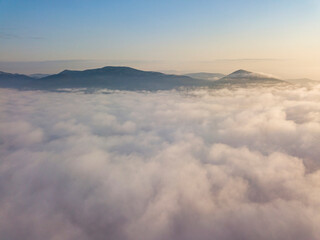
{"x":227,"y":164}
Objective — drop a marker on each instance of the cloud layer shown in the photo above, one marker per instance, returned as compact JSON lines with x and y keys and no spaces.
{"x":224,"y":164}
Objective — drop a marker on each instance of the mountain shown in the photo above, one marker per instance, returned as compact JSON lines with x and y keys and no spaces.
{"x":115,"y":78}
{"x":244,"y":77}
{"x":13,"y":76}
{"x":126,"y":78}
{"x":8,"y":80}
{"x":206,"y":76}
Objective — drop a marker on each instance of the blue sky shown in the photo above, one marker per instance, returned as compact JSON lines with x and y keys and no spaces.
{"x":184,"y":35}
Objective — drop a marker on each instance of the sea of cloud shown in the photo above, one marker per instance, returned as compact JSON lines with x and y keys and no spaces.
{"x":203,"y":164}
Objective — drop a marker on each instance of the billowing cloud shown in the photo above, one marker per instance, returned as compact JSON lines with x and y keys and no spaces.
{"x":204,"y":164}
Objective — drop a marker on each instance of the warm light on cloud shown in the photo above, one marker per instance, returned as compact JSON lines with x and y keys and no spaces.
{"x":217,"y":164}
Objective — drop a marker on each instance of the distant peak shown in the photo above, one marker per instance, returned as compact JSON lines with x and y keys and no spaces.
{"x":241,"y":71}
{"x":116,"y":67}
{"x":246,"y":76}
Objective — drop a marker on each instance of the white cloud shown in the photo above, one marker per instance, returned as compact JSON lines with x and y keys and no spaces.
{"x":223,"y":164}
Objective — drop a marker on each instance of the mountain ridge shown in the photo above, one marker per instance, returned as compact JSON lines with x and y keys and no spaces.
{"x":110,"y":77}
{"x":127,"y":78}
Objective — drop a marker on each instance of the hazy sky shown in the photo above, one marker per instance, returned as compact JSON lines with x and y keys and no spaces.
{"x":276,"y":36}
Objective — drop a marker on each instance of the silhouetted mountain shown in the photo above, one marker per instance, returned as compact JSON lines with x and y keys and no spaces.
{"x":126,"y":78}
{"x":206,"y":76}
{"x":243,"y":77}
{"x":12,"y":76}
{"x":117,"y":78}
{"x":9,"y":80}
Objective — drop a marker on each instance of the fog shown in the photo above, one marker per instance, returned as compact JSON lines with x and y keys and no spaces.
{"x":227,"y":164}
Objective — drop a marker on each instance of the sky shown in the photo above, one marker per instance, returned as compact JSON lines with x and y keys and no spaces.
{"x":281,"y":37}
